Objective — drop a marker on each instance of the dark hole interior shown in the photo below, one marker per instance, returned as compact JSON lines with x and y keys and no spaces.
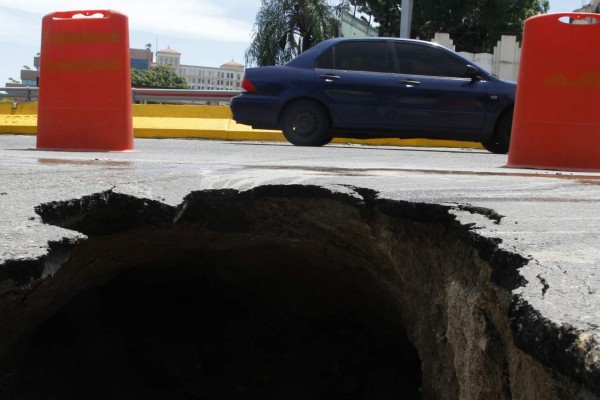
{"x":262,"y":324}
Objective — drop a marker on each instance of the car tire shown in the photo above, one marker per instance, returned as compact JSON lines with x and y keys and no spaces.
{"x":306,"y":123}
{"x":499,"y":143}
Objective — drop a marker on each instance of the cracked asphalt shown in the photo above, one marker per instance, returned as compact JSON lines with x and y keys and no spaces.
{"x":552,"y":218}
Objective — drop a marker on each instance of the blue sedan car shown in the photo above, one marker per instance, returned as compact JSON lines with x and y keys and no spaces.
{"x":375,"y":88}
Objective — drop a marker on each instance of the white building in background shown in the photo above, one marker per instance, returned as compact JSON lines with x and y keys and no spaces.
{"x":356,"y":26}
{"x":592,"y":7}
{"x":226,"y":77}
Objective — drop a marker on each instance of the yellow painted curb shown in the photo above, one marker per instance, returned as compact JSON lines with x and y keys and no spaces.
{"x":21,"y":119}
{"x":194,"y":121}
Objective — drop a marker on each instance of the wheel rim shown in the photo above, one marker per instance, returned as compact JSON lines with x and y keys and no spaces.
{"x":304,"y":123}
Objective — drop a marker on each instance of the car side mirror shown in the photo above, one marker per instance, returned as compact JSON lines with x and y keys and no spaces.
{"x":473,"y":73}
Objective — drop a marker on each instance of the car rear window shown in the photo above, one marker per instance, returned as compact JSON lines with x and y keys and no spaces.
{"x":370,"y":56}
{"x":417,"y":59}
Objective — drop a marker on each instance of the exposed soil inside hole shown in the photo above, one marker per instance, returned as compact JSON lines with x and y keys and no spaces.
{"x":232,"y":332}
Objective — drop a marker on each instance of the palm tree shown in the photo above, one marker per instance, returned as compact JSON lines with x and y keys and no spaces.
{"x":286,"y":28}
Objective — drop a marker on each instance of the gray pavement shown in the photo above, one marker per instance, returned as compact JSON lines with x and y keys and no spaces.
{"x":551,"y":218}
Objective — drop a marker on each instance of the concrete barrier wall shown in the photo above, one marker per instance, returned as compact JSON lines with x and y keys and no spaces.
{"x":192,"y":121}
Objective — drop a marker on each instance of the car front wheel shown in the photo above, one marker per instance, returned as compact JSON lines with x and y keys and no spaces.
{"x":306,"y":123}
{"x":500,"y":140}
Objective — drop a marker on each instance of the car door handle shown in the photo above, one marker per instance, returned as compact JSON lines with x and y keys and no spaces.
{"x":410,"y":82}
{"x":329,"y":77}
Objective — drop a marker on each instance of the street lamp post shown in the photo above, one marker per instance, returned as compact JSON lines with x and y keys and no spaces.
{"x":406,"y":18}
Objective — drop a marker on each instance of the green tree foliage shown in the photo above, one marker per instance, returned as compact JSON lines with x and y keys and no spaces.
{"x":474,"y":25}
{"x":161,"y":76}
{"x":285,"y":28}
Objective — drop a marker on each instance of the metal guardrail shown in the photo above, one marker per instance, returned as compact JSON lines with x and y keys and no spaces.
{"x":181,"y":95}
{"x":28,"y":94}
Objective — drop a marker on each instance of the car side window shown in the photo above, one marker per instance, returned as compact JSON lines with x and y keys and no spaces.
{"x":416,"y":59}
{"x":325,"y":60}
{"x":369,"y":56}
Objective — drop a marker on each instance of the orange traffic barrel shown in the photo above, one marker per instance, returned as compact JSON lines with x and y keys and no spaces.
{"x":85,"y":82}
{"x":556,"y":123}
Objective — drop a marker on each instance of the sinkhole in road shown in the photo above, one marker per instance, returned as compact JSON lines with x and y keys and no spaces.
{"x":279,"y":292}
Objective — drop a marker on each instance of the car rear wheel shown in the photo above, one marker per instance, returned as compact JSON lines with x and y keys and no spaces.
{"x":499,"y":143}
{"x":306,"y":123}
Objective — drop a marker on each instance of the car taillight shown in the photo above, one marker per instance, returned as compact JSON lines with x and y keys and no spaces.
{"x":247,"y":85}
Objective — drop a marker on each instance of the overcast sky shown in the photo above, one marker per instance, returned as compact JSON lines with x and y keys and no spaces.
{"x":206,"y":32}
